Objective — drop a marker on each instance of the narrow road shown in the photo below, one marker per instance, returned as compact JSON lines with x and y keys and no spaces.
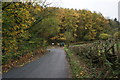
{"x":51,"y":65}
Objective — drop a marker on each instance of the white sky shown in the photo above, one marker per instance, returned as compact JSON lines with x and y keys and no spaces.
{"x":109,"y":8}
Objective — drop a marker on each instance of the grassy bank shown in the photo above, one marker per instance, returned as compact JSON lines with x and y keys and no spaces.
{"x":78,"y":69}
{"x":82,"y":67}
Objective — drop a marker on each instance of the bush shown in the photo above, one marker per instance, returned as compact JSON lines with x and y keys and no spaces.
{"x":117,"y":35}
{"x":104,"y":36}
{"x":88,"y":38}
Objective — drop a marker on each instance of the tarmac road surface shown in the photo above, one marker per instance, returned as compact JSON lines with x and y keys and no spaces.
{"x":51,"y":65}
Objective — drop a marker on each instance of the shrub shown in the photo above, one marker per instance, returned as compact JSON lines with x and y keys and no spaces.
{"x":104,"y":36}
{"x":117,"y":35}
{"x":88,"y":38}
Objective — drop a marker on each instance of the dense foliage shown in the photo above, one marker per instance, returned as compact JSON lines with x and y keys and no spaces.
{"x":83,"y":25}
{"x":22,"y":32}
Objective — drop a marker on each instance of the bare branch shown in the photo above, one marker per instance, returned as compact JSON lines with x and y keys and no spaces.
{"x":6,"y":6}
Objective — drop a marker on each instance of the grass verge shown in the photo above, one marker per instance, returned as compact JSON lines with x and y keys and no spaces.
{"x":78,"y":69}
{"x":82,"y":67}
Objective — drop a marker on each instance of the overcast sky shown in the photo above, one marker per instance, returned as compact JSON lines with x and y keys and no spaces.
{"x":109,"y":8}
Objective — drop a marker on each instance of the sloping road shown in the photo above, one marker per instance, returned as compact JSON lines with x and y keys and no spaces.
{"x":51,"y":65}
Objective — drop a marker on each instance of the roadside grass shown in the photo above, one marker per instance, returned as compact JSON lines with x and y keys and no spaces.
{"x":77,"y":45}
{"x":78,"y":69}
{"x":82,"y":67}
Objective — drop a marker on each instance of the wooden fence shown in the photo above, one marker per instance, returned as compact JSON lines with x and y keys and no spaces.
{"x":103,"y":53}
